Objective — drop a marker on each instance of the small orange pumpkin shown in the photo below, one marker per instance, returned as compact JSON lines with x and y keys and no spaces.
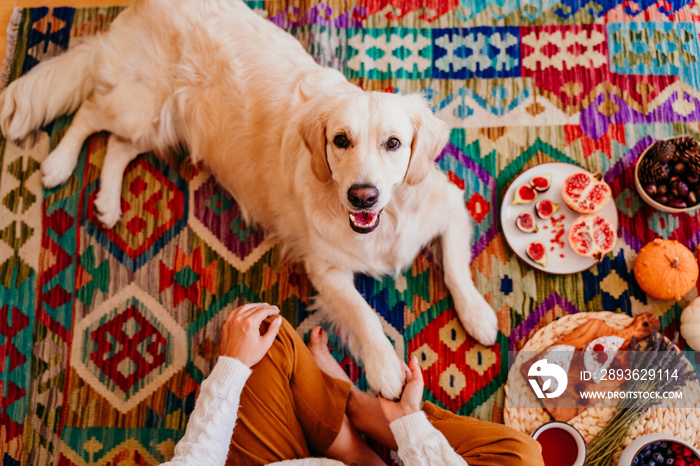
{"x":666,"y":269}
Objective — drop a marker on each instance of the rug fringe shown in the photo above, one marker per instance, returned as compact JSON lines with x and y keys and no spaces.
{"x":12,"y":31}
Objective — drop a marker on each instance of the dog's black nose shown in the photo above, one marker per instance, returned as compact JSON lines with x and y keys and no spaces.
{"x":363,"y":196}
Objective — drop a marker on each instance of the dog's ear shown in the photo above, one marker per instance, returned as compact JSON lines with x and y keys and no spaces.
{"x":312,"y":128}
{"x":430,"y":134}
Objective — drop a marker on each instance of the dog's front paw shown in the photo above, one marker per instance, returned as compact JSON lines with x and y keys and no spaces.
{"x":57,"y":168}
{"x":108,"y":208}
{"x":384,"y":371}
{"x":479,"y":320}
{"x":483,"y":328}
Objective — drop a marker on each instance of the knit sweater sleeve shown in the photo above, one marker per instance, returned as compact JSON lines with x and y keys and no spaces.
{"x":210,"y":427}
{"x":421,"y":444}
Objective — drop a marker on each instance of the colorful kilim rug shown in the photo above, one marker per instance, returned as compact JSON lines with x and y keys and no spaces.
{"x":585,"y":82}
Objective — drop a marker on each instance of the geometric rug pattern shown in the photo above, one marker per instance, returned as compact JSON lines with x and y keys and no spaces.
{"x":107,"y":334}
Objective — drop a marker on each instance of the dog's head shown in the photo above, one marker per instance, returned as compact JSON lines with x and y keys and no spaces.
{"x":368,"y":143}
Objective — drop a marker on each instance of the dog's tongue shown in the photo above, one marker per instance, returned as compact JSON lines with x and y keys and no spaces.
{"x":364,"y":219}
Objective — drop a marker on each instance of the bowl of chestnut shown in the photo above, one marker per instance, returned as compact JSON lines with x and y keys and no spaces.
{"x":667,"y":175}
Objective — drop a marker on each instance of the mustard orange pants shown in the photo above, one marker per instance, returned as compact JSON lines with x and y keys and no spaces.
{"x":291,"y":409}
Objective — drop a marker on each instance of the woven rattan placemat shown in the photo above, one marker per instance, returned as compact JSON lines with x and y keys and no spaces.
{"x":667,"y":418}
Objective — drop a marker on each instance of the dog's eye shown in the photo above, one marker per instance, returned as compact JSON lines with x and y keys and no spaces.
{"x":341,"y":141}
{"x":393,"y":144}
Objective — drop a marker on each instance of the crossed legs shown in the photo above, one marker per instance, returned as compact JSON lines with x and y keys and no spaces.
{"x":299,"y":401}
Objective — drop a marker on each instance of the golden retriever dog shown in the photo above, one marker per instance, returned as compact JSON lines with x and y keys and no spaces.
{"x":344,"y":179}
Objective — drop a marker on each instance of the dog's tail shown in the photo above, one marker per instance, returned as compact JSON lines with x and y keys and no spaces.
{"x":52,"y":88}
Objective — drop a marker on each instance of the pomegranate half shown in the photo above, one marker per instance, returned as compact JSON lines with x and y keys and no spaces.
{"x":592,"y":236}
{"x":585,"y":192}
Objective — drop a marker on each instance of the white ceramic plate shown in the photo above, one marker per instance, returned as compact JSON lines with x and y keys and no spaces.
{"x":561,"y":259}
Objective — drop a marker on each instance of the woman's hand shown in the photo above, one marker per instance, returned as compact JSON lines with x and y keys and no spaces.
{"x":241,"y":337}
{"x":412,"y":395}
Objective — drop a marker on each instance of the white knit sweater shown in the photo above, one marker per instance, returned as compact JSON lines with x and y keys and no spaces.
{"x":209,"y":430}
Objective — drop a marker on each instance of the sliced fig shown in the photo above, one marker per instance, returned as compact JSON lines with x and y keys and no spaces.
{"x":537,"y":252}
{"x":542,"y":182}
{"x":526,"y":223}
{"x":546,"y":208}
{"x":592,"y":236}
{"x":585,"y":192}
{"x":524,"y":194}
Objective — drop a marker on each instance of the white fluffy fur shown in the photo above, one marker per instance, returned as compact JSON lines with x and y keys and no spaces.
{"x":246,"y":99}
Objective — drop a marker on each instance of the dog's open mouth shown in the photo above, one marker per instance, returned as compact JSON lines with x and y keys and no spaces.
{"x":364,"y":222}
